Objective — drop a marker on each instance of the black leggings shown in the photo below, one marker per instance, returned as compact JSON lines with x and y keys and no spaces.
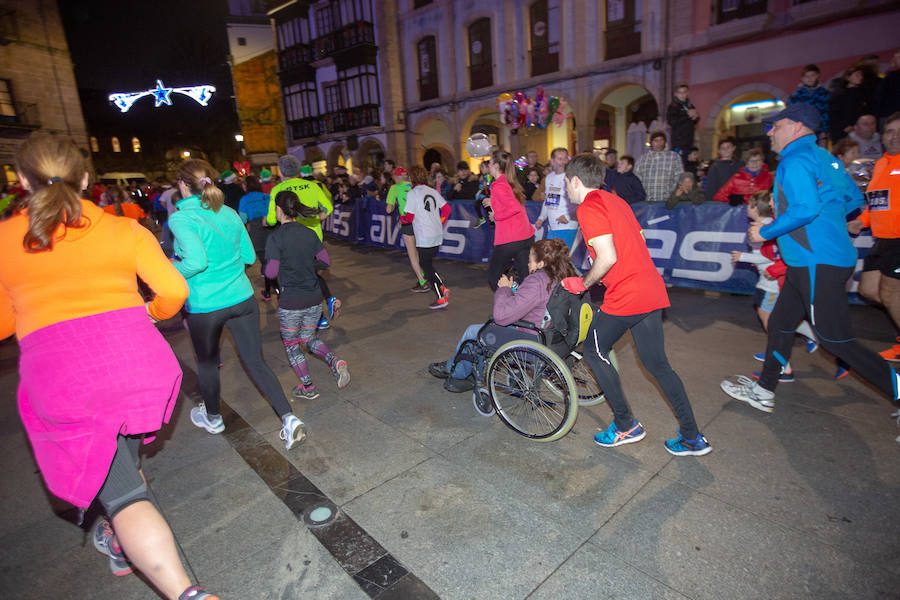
{"x":242,"y":321}
{"x":503,"y":254}
{"x":426,"y":256}
{"x":124,"y":484}
{"x":647,"y":331}
{"x":828,"y":312}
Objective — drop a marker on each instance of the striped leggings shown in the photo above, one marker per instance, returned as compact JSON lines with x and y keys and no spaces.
{"x":298,"y":328}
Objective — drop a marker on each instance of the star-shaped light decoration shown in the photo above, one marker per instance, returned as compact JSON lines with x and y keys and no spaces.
{"x":161,"y":94}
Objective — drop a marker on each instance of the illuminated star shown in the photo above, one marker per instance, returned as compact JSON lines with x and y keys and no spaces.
{"x":161,"y":94}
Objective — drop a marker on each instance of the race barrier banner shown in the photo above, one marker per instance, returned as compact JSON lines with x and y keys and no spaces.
{"x":690,"y":245}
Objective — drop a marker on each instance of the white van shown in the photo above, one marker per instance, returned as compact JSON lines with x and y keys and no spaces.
{"x":122,"y":179}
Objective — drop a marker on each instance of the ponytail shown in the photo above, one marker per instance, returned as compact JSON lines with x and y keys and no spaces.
{"x":199,"y":176}
{"x":507,"y":165}
{"x":53,"y":167}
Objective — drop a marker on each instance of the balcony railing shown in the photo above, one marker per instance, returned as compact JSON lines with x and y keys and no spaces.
{"x":346,"y":119}
{"x":295,"y":57}
{"x":26,"y":117}
{"x":345,"y":38}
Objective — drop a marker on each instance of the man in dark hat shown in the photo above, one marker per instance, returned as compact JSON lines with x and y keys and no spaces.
{"x":813,"y":195}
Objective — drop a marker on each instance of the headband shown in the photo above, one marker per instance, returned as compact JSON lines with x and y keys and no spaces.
{"x":204,"y":181}
{"x":53,"y":180}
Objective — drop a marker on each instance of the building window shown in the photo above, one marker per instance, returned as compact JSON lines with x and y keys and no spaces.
{"x":728,"y":10}
{"x":328,"y":19}
{"x":623,"y":28}
{"x":481,"y":70}
{"x":242,"y":41}
{"x":95,"y":145}
{"x":116,"y":147}
{"x":7,"y":105}
{"x":300,"y":101}
{"x":428,"y":76}
{"x":544,"y":32}
{"x":293,"y":32}
{"x":359,"y":86}
{"x":135,"y":145}
{"x":332,"y":96}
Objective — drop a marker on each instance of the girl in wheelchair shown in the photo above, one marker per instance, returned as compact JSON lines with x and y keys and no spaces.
{"x":518,"y":314}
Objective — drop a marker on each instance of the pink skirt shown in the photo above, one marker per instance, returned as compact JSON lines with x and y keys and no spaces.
{"x":85,"y":381}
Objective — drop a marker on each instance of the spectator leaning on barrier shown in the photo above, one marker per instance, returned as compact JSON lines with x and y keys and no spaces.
{"x":813,"y":195}
{"x":625,"y":183}
{"x":880,"y":280}
{"x":864,"y":133}
{"x":685,"y":191}
{"x":722,"y":169}
{"x":751,"y":178}
{"x":659,"y":169}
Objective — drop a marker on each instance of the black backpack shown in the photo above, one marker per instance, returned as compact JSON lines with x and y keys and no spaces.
{"x":569,"y":316}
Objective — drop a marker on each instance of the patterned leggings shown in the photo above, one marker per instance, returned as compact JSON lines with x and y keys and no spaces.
{"x":298,"y":328}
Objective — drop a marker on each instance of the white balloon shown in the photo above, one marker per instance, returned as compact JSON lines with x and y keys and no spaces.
{"x":478,"y":145}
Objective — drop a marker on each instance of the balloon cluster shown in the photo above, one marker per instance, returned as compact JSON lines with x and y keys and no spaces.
{"x":518,"y":110}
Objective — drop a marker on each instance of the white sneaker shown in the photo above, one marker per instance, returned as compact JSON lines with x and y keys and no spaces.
{"x":201,"y":419}
{"x":293,"y":431}
{"x":749,"y":391}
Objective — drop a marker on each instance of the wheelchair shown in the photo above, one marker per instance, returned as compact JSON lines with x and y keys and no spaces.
{"x":530,"y":378}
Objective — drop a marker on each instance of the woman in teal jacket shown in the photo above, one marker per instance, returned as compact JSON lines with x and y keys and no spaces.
{"x":212,"y":247}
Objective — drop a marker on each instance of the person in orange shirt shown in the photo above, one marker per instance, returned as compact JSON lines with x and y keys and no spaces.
{"x":117,"y":202}
{"x":68,"y":290}
{"x":880,"y":279}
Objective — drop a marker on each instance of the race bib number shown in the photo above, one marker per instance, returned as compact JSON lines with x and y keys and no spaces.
{"x":878,"y":200}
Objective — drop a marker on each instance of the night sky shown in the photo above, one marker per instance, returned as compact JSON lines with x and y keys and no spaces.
{"x":126,"y":46}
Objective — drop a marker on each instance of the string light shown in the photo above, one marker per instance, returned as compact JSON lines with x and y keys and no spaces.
{"x":162,"y":95}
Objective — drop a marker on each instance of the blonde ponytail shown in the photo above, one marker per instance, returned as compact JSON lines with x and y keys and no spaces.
{"x":199,"y":176}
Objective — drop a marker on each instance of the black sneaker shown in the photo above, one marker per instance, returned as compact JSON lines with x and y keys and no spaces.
{"x":439,"y":369}
{"x":457,"y":386}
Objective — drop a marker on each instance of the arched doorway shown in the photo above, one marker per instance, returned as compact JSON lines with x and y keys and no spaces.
{"x":370,"y":155}
{"x":435,"y":145}
{"x":741,"y":118}
{"x":623,"y":118}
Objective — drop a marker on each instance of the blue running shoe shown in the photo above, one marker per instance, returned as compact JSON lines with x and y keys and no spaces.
{"x":811,"y":345}
{"x":334,"y":307}
{"x":841,"y":372}
{"x":613,"y":436}
{"x":682,"y":447}
{"x":760,"y":356}
{"x":323,"y":323}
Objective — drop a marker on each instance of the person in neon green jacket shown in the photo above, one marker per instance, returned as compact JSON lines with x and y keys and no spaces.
{"x":309,"y":192}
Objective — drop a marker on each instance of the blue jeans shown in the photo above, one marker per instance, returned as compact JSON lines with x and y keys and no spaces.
{"x":463,"y":367}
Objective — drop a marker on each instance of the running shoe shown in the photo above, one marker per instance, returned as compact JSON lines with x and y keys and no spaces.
{"x":106,"y":543}
{"x":203,"y":420}
{"x":613,"y":436}
{"x":892,"y":354}
{"x":682,"y":447}
{"x":439,"y":369}
{"x":760,"y":356}
{"x":420,"y":288}
{"x":439,"y":303}
{"x":293,"y":432}
{"x":323,"y":323}
{"x":841,"y":372}
{"x":305,"y":392}
{"x":479,"y":224}
{"x":445,"y":292}
{"x":334,"y":307}
{"x":811,"y":345}
{"x":341,"y":373}
{"x":783,"y":378}
{"x":749,"y":391}
{"x":196,"y":592}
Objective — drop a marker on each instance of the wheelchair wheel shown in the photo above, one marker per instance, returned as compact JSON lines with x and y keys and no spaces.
{"x":589,"y":392}
{"x":532,"y":390}
{"x":481,"y":398}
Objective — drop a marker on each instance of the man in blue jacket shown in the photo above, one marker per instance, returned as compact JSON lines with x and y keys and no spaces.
{"x":813,"y":195}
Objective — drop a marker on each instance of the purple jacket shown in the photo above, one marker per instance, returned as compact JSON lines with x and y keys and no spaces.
{"x":527,"y":304}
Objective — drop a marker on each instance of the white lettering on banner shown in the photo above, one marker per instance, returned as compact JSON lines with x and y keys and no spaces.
{"x":459,"y":238}
{"x":381,"y":230}
{"x":688,"y":251}
{"x":668,"y":239}
{"x":338,"y":222}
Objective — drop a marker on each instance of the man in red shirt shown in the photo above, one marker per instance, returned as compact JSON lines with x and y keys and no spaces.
{"x":635,"y":297}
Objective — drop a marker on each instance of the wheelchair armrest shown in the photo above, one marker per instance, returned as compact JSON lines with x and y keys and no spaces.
{"x":521,"y":325}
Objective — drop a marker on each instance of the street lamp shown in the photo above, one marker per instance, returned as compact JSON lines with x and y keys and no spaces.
{"x":238,"y":137}
{"x":186,"y":154}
